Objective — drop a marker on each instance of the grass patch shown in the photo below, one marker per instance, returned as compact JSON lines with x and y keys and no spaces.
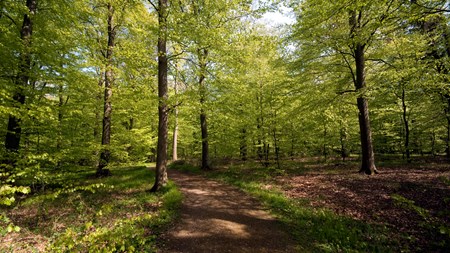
{"x":86,"y":214}
{"x":184,"y":166}
{"x":316,"y":229}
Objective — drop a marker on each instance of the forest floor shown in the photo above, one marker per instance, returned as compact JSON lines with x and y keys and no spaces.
{"x":331,"y":207}
{"x":77,"y":212}
{"x":412,"y":200}
{"x":216,"y":217}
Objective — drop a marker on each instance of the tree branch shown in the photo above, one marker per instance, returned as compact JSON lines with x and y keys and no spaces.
{"x":383,"y":61}
{"x":343,"y":54}
{"x":432,"y":10}
{"x":154,"y":6}
{"x":10,"y":18}
{"x":170,"y":57}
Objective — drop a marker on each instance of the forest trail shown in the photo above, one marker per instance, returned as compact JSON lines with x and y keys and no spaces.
{"x":219,"y":218}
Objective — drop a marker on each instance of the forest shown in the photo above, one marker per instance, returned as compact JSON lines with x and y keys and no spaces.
{"x":336,"y":119}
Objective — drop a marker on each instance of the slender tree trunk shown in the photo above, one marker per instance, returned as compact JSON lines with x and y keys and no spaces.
{"x":105,"y":154}
{"x":277,"y":148}
{"x":292,"y":152}
{"x":202,"y":55}
{"x":205,"y":143}
{"x":175,"y":138}
{"x":259,"y":150}
{"x":161,"y":178}
{"x":243,"y":147}
{"x":60,"y":116}
{"x":59,"y":138}
{"x":266,"y":154}
{"x":447,"y":116}
{"x":343,"y":139}
{"x":406,"y":124}
{"x":325,"y":153}
{"x":259,"y":125}
{"x":433,"y":143}
{"x":447,"y":150}
{"x":12,"y":139}
{"x":97,"y":112}
{"x":175,"y":128}
{"x":368,"y":156}
{"x":130,"y":123}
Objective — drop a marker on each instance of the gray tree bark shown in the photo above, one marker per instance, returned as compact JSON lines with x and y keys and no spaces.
{"x":161,"y":178}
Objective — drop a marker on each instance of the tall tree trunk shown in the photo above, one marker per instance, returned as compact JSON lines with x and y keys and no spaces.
{"x":97,"y":125}
{"x":163,"y":110}
{"x":343,"y":139}
{"x":259,"y":124}
{"x":446,"y":98}
{"x":433,"y":143}
{"x":105,"y":154}
{"x":277,"y":148}
{"x":266,"y":153}
{"x":324,"y":148}
{"x":447,"y":150}
{"x":259,"y":150}
{"x":292,"y":151}
{"x":60,"y":116}
{"x":205,"y":143}
{"x":175,"y":138}
{"x":59,"y":138}
{"x":368,"y":157}
{"x":202,"y":56}
{"x":175,"y":128}
{"x":406,"y":124}
{"x":12,"y":139}
{"x":243,"y":147}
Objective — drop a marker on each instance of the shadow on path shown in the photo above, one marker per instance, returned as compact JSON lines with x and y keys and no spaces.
{"x":219,"y":218}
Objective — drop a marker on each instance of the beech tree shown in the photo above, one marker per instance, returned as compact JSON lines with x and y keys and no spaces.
{"x":350,"y":31}
{"x":204,"y":30}
{"x":21,"y":80}
{"x":109,"y":82}
{"x":161,"y":178}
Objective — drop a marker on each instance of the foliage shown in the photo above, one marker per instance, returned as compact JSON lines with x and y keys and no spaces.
{"x":113,"y":215}
{"x":268,"y":93}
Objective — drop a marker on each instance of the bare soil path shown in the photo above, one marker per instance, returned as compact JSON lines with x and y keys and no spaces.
{"x":219,"y":218}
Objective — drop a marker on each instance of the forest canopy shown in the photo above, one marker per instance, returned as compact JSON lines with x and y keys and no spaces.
{"x":81,"y":83}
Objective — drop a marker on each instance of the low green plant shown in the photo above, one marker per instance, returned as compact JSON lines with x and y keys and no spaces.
{"x":411,"y":205}
{"x":184,"y":166}
{"x":445,"y":180}
{"x":87,"y":214}
{"x":316,"y":229}
{"x":429,"y":222}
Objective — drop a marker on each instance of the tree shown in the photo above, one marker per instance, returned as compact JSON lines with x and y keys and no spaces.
{"x":204,"y":30}
{"x":109,"y":82}
{"x":163,"y":108}
{"x":13,"y":135}
{"x":349,"y":31}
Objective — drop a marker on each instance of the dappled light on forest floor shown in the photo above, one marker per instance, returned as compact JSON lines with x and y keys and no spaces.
{"x":122,"y":216}
{"x":219,"y":218}
{"x":413,"y":202}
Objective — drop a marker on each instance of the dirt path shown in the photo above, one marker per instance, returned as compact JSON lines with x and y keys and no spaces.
{"x":219,"y":218}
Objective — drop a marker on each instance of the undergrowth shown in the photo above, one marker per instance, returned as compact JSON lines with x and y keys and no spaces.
{"x":86,"y":214}
{"x":316,"y":230}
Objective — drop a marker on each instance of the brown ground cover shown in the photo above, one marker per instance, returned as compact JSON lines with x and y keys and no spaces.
{"x":411,"y":200}
{"x":216,"y":217}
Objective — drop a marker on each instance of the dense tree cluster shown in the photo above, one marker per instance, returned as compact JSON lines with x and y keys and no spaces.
{"x":101,"y":81}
